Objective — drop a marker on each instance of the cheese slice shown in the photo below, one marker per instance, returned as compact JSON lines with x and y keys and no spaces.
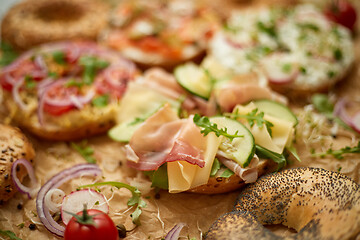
{"x":282,"y":131}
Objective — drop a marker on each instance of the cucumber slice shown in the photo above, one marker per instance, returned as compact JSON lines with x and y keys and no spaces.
{"x":123,"y":131}
{"x":240,"y":149}
{"x":276,"y":109}
{"x":194,"y":79}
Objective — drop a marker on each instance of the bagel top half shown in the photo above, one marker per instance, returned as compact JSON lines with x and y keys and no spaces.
{"x":30,"y":23}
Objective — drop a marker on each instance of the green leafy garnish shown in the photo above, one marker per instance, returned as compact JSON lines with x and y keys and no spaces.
{"x":215,"y":167}
{"x":73,"y":83}
{"x":270,"y":30}
{"x":85,"y":151}
{"x":286,"y":68}
{"x":293,"y":152}
{"x":338,"y":55}
{"x":339,"y":154}
{"x":323,"y":105}
{"x":134,"y":200}
{"x":308,"y":26}
{"x":59,"y":57}
{"x":209,"y":127}
{"x":227,"y":173}
{"x":9,"y":234}
{"x":101,"y":101}
{"x":8,"y":55}
{"x":91,"y":65}
{"x":29,"y":82}
{"x":253,"y":117}
{"x":280,"y":159}
{"x":52,"y":74}
{"x":159,"y":177}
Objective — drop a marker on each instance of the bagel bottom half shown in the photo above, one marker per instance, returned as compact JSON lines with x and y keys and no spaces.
{"x":218,"y":185}
{"x":317,"y":203}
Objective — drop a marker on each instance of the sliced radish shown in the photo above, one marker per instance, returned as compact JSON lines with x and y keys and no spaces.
{"x":74,"y":203}
{"x":280,"y":68}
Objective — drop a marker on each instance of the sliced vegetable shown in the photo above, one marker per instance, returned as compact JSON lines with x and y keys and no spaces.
{"x":277,"y":110}
{"x":240,"y":149}
{"x":55,"y":182}
{"x":134,"y":200}
{"x":194,"y":79}
{"x":280,"y":68}
{"x":74,"y":202}
{"x":342,"y":12}
{"x":91,"y":224}
{"x":29,"y":191}
{"x":174,"y":233}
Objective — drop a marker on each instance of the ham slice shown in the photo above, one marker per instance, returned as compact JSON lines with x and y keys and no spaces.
{"x":232,"y":94}
{"x":165,"y":138}
{"x":248,"y":174}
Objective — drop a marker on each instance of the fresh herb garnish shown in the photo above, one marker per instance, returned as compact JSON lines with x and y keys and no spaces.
{"x":101,"y":101}
{"x":253,"y":117}
{"x":85,"y":151}
{"x":74,"y":83}
{"x":209,"y":127}
{"x":8,"y":55}
{"x":91,"y":65}
{"x":134,"y":200}
{"x":280,"y":159}
{"x":339,"y":154}
{"x":52,"y":74}
{"x":270,"y":30}
{"x":29,"y":82}
{"x":9,"y":234}
{"x":308,"y":26}
{"x":338,"y":55}
{"x":59,"y":57}
{"x":286,"y":68}
{"x":323,"y":105}
{"x":159,"y":177}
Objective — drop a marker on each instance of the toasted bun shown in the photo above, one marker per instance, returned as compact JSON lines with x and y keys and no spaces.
{"x":13,"y":145}
{"x":76,"y":124}
{"x":31,"y":23}
{"x":222,"y":185}
{"x":56,"y":109}
{"x":317,"y":203}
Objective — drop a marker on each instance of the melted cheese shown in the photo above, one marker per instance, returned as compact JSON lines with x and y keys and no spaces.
{"x":282,"y":131}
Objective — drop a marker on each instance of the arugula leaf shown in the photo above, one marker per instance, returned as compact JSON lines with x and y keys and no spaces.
{"x":208,"y":127}
{"x":85,"y":151}
{"x":134,"y":200}
{"x":91,"y":65}
{"x":280,"y":159}
{"x":339,"y":154}
{"x":293,"y":152}
{"x":59,"y":57}
{"x":252,"y":118}
{"x":8,"y":55}
{"x":270,"y":30}
{"x":101,"y":101}
{"x":9,"y":234}
{"x":159,"y":177}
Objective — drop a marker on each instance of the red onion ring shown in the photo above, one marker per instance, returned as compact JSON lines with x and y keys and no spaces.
{"x":16,"y":93}
{"x":356,"y":122}
{"x":30,"y":192}
{"x":340,"y":111}
{"x":174,"y":233}
{"x":55,"y":182}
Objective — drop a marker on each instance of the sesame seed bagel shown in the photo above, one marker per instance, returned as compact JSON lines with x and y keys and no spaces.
{"x":317,"y":203}
{"x":13,"y":145}
{"x":31,"y":23}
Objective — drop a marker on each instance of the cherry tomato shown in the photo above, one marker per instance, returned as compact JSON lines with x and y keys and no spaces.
{"x":342,"y":12}
{"x":104,"y":227}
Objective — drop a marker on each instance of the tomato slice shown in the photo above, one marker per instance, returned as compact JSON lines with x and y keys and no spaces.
{"x":154,"y":44}
{"x":57,"y":98}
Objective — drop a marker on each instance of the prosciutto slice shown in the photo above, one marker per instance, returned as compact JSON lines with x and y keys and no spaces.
{"x":248,"y":174}
{"x":165,"y":138}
